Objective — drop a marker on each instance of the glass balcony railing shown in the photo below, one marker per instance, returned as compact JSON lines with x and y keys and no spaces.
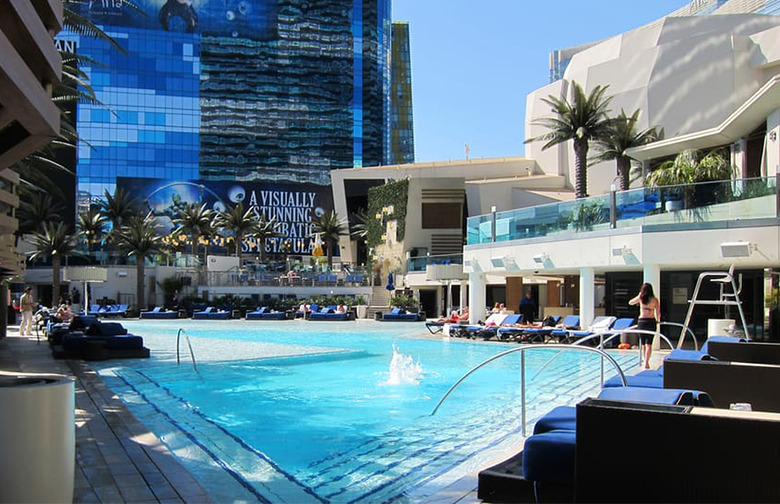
{"x":702,"y":203}
{"x":422,"y":262}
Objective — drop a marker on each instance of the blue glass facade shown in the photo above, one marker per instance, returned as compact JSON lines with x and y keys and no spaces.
{"x":267,"y":90}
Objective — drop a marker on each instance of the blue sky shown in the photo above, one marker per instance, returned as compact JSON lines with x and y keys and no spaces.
{"x":474,"y":62}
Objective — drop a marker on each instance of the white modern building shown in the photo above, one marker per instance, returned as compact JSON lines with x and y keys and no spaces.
{"x":711,"y":81}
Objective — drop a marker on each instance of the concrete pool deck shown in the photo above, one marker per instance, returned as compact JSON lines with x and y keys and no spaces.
{"x":117,"y":458}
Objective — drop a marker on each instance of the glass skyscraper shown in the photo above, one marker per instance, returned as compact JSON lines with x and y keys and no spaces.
{"x":402,"y":129}
{"x":255,"y":91}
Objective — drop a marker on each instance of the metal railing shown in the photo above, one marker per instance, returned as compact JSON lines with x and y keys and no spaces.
{"x":522,"y":351}
{"x":189,"y":344}
{"x":701,"y":203}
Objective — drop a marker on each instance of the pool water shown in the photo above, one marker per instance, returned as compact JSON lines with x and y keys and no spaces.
{"x":299,"y":411}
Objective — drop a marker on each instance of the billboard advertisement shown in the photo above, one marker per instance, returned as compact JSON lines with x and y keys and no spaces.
{"x":293,"y":206}
{"x":254,"y":19}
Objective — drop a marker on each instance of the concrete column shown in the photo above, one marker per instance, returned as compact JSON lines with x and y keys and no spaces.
{"x":772,"y":144}
{"x":587,"y":296}
{"x":477,"y":297}
{"x":739,"y":157}
{"x":652,"y":275}
{"x":464,"y":300}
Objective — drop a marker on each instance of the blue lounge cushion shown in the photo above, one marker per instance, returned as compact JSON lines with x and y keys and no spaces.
{"x":721,"y":339}
{"x":106,"y":329}
{"x":689,"y":355}
{"x":558,"y":418}
{"x":549,"y":457}
{"x":652,"y":378}
{"x":395,"y":311}
{"x":648,"y":395}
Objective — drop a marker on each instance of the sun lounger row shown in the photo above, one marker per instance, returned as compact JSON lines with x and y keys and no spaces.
{"x":86,"y":337}
{"x":694,"y":448}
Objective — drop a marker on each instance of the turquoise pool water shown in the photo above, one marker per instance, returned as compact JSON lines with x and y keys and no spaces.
{"x":299,"y":411}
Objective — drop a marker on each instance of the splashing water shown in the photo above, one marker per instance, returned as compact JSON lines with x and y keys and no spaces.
{"x":403,"y":370}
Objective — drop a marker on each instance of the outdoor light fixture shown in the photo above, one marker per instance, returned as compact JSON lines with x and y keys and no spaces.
{"x":736,"y":249}
{"x":625,"y":251}
{"x":498,"y":262}
{"x":541,"y":258}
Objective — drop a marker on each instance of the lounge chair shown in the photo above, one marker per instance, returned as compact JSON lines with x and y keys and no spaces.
{"x":158,"y":313}
{"x":330,"y":313}
{"x":492,"y":324}
{"x":599,"y":325}
{"x":509,"y":331}
{"x":265,"y":313}
{"x":101,"y":340}
{"x":211,"y":313}
{"x":401,"y":315}
{"x":545,"y":469}
{"x":540,"y":334}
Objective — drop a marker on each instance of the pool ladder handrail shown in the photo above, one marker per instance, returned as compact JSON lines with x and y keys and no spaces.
{"x":189,"y":344}
{"x":615,"y":334}
{"x":522,"y":351}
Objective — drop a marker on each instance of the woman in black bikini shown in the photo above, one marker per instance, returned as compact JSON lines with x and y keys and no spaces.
{"x":649,"y":315}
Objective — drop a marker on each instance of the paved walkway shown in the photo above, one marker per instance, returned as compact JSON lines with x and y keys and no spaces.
{"x":117,"y":458}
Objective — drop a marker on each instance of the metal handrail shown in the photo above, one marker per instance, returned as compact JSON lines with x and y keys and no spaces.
{"x":192,"y":354}
{"x":522,"y":351}
{"x":685,"y":328}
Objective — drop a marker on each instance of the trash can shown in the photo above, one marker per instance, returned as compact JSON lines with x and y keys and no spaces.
{"x":38,"y":438}
{"x":378,"y":315}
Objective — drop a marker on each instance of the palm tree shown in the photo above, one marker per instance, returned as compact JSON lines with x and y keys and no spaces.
{"x":195,"y":221}
{"x":238,"y":222}
{"x":621,"y":136}
{"x":139,"y":239}
{"x":35,"y":209}
{"x":330,"y":228}
{"x":582,"y":120}
{"x":688,"y":168}
{"x":264,"y":229}
{"x":54,"y":242}
{"x":91,"y":223}
{"x":118,"y":208}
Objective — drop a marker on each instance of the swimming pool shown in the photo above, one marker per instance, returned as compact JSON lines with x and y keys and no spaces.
{"x":300,"y":411}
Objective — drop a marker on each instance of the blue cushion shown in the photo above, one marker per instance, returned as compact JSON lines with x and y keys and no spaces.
{"x":648,"y":395}
{"x":549,"y":457}
{"x":688,"y":355}
{"x":651,"y":378}
{"x":395,"y":311}
{"x":558,"y":418}
{"x":720,"y":339}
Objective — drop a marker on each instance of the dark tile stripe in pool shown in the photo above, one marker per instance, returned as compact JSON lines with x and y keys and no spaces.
{"x":235,"y":475}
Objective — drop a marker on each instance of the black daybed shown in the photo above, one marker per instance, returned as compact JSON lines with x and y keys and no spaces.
{"x":98,"y":341}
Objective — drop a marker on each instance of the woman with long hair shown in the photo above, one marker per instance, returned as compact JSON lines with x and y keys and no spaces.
{"x":649,"y":315}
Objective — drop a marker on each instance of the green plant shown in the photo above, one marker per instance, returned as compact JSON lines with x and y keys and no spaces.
{"x":394,"y":194}
{"x":171,"y":285}
{"x":405,"y":302}
{"x":360,"y":300}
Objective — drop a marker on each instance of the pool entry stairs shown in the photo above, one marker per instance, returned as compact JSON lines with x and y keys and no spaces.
{"x":416,"y":461}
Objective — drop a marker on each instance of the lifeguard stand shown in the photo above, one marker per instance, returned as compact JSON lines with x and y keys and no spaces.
{"x":726,"y":297}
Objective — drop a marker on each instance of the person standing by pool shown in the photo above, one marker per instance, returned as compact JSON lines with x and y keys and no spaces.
{"x":649,"y":315}
{"x":27,"y":305}
{"x":527,"y":308}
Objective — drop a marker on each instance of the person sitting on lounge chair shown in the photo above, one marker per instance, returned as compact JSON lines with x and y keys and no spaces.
{"x":63,"y":313}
